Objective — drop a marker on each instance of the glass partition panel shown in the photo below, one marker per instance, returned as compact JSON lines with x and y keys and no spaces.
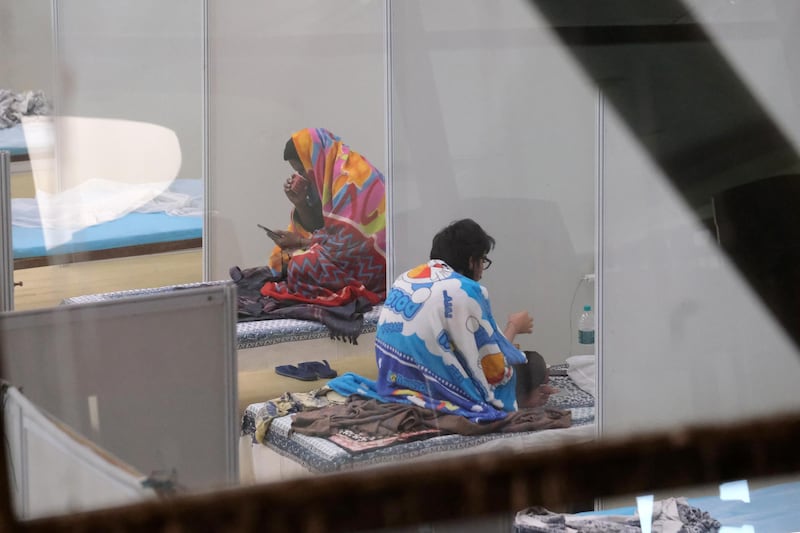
{"x":108,"y":183}
{"x":278,"y":69}
{"x":297,"y":91}
{"x":126,"y":126}
{"x":700,"y":194}
{"x":633,"y":170}
{"x":492,"y":120}
{"x":102,"y":109}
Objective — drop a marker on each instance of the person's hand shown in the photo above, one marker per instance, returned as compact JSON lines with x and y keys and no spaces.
{"x":521,"y":322}
{"x":295,"y":187}
{"x":288,"y":240}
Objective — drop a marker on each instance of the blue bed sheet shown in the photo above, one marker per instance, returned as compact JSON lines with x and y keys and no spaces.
{"x":130,"y":230}
{"x":13,"y":140}
{"x":773,"y":508}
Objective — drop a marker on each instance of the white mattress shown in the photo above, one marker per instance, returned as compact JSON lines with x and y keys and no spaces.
{"x":287,"y":455}
{"x":250,"y":334}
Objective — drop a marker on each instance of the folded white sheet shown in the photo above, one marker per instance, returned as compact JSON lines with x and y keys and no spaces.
{"x":583,"y":371}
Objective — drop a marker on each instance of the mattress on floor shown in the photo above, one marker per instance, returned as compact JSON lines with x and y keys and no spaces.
{"x":319,"y":455}
{"x":251,"y":334}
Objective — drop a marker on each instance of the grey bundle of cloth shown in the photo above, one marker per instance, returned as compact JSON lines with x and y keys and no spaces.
{"x":13,"y":106}
{"x":671,"y":515}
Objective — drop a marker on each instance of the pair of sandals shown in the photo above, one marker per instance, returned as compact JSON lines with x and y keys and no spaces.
{"x":308,"y":371}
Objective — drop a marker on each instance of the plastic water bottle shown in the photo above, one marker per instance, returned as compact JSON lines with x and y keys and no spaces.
{"x":586,"y":326}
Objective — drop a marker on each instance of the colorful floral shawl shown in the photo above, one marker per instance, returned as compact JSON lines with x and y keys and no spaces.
{"x":438,"y":347}
{"x":347,"y":257}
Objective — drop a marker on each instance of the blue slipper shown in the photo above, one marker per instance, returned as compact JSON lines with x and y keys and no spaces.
{"x":322,"y":370}
{"x":295,"y":372}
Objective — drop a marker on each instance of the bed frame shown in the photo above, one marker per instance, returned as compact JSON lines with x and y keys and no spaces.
{"x":286,"y":455}
{"x":264,"y":344}
{"x":254,"y":334}
{"x":111,"y":253}
{"x":114,"y":252}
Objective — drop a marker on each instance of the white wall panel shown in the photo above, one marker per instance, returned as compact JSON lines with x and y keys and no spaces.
{"x":26,"y":37}
{"x":277,"y":67}
{"x":492,"y":120}
{"x":685,"y":340}
{"x":136,"y":60}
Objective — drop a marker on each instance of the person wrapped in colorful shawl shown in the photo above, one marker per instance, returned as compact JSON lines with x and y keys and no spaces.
{"x":438,"y":345}
{"x":331,"y":259}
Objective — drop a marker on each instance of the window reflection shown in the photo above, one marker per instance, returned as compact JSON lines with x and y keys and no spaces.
{"x":86,"y":172}
{"x":97,"y":189}
{"x":537,"y":122}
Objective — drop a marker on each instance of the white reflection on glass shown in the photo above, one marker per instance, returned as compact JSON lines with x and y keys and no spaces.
{"x":88,"y":171}
{"x":644,"y":506}
{"x":735,"y":490}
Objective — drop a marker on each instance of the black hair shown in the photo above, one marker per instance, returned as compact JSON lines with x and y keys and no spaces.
{"x":290,"y":151}
{"x":530,"y":375}
{"x":459,"y":242}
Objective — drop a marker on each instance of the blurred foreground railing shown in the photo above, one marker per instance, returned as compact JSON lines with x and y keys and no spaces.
{"x":467,"y":487}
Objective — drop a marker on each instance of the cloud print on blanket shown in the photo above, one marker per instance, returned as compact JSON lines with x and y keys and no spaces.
{"x":438,"y":347}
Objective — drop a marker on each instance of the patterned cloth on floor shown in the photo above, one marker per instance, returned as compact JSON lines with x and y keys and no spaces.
{"x":288,"y":403}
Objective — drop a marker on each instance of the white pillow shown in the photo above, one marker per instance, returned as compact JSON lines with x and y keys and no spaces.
{"x":583,"y":371}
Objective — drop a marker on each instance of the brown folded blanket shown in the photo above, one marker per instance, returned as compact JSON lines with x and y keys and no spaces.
{"x":370,"y":417}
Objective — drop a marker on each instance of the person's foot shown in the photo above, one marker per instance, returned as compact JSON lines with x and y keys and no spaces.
{"x":538,"y":397}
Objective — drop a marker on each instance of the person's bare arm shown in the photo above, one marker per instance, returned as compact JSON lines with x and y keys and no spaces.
{"x":519,"y":322}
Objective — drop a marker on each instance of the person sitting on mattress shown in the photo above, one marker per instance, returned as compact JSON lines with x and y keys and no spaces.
{"x":437,"y":345}
{"x":330,"y":263}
